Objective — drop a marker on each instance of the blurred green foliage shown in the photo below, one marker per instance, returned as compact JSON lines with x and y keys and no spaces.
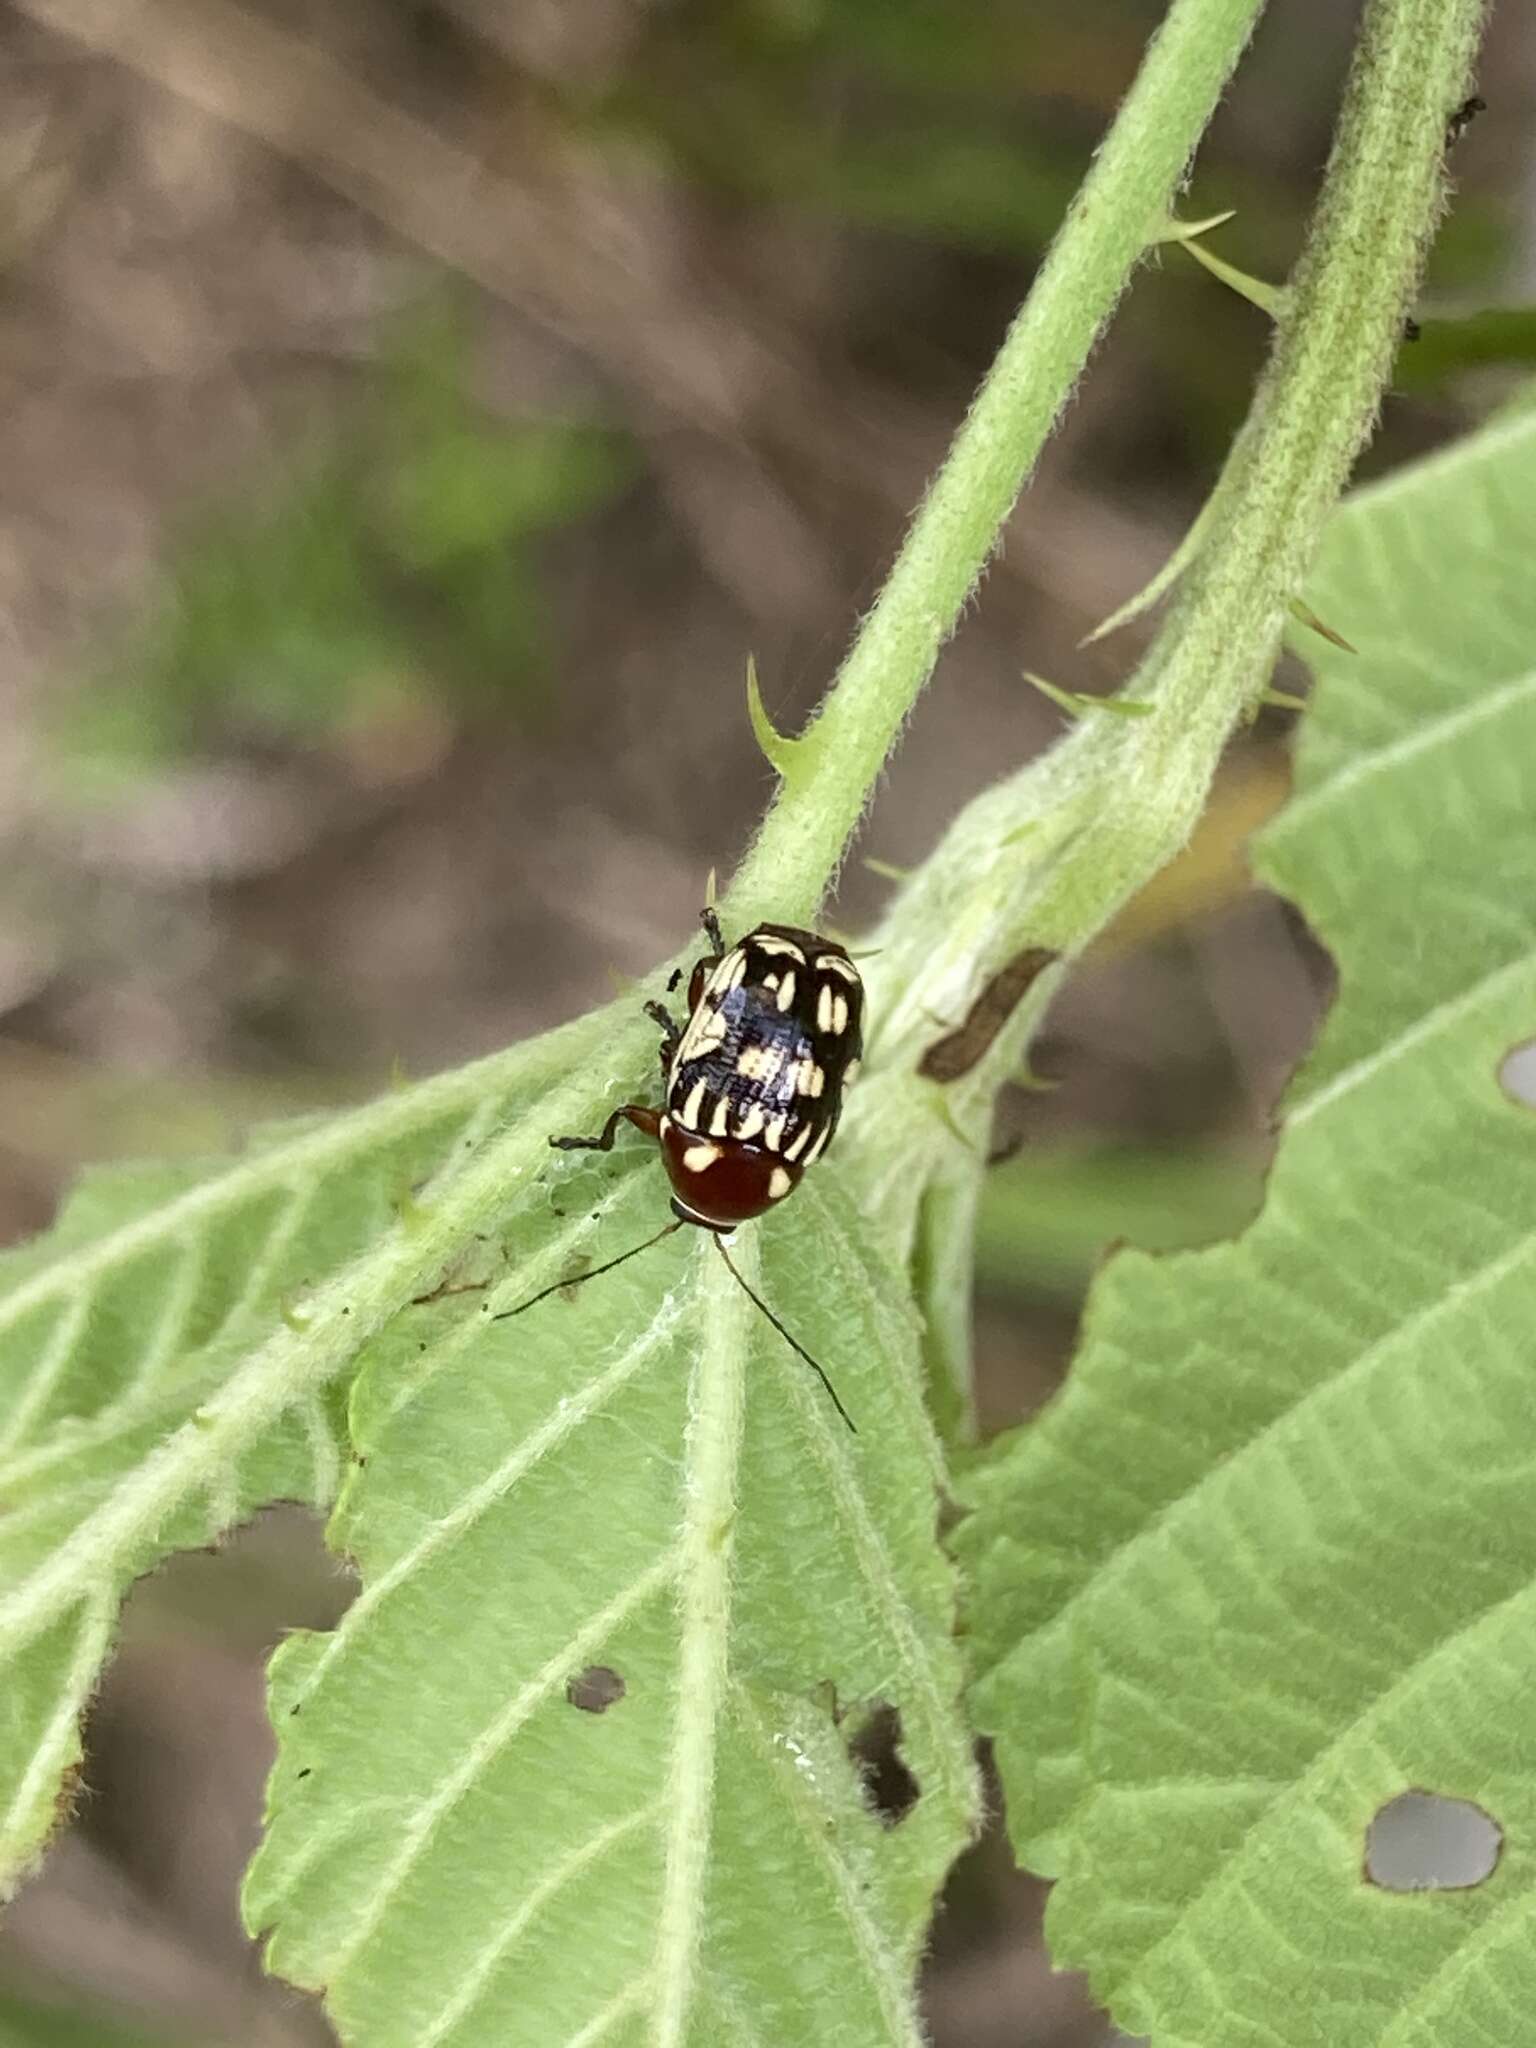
{"x":1498,"y":335}
{"x":394,"y":568}
{"x":1050,"y":1216}
{"x":969,"y":132}
{"x":24,"y":2024}
{"x":891,"y":115}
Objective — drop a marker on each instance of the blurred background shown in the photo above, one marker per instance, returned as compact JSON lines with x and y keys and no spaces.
{"x":414,"y":411}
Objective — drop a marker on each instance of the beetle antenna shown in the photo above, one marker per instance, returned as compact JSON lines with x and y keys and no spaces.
{"x":790,"y":1341}
{"x":579,"y":1279}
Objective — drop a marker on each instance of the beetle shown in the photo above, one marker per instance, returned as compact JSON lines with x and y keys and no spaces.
{"x":754,"y":1083}
{"x":754,"y":1076}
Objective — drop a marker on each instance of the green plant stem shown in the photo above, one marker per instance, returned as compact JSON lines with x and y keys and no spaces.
{"x":1048,"y":856}
{"x":1122,"y":202}
{"x":1335,"y":347}
{"x":1117,"y":799}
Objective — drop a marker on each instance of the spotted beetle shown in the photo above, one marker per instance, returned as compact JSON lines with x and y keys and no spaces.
{"x":754,"y":1081}
{"x":755,"y":1077}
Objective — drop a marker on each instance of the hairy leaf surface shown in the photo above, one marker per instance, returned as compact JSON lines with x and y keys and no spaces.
{"x":170,"y":1355}
{"x":1270,"y":1559}
{"x":637,"y":1488}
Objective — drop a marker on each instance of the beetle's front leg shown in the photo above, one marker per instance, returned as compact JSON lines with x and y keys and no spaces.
{"x":660,"y":1014}
{"x":643,"y":1119}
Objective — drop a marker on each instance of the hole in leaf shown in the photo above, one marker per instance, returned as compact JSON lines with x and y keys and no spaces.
{"x":1517,"y":1074}
{"x":874,"y":1749}
{"x":596,"y":1689}
{"x":1421,"y":1841}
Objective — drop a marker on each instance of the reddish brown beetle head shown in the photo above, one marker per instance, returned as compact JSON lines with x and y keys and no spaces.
{"x":722,"y":1184}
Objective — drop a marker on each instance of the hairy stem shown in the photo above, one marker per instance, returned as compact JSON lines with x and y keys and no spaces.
{"x":1047,"y":857}
{"x":1123,"y":199}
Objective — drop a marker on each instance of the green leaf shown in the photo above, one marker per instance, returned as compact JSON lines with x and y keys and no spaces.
{"x":26,"y":2024}
{"x":1270,"y":1558}
{"x":1047,"y":1218}
{"x":646,"y":1479}
{"x":1449,"y":344}
{"x":168,"y":1357}
{"x":476,"y":488}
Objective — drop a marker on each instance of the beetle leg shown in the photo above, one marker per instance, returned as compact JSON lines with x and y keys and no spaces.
{"x":660,"y":1014}
{"x":672,"y":1034}
{"x":643,"y":1119}
{"x":710,"y":920}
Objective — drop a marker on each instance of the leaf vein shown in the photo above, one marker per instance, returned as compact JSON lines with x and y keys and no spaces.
{"x":160,"y":1347}
{"x":34,"y":1397}
{"x":1423,"y":738}
{"x":1228,"y":1873}
{"x":1424,"y":1028}
{"x":619,"y":2007}
{"x":479,"y":1973}
{"x":915,"y":1660}
{"x":48,"y":1759}
{"x":558,"y":1424}
{"x":1232,"y":1470}
{"x":887,"y":1978}
{"x":490,"y":1744}
{"x":1483,"y":1934}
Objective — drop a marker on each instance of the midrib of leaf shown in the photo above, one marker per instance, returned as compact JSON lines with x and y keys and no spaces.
{"x":65,"y":1597}
{"x":711,"y":1452}
{"x":294,"y":1168}
{"x":885,"y":1969}
{"x":339,"y":1319}
{"x":698,"y":1677}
